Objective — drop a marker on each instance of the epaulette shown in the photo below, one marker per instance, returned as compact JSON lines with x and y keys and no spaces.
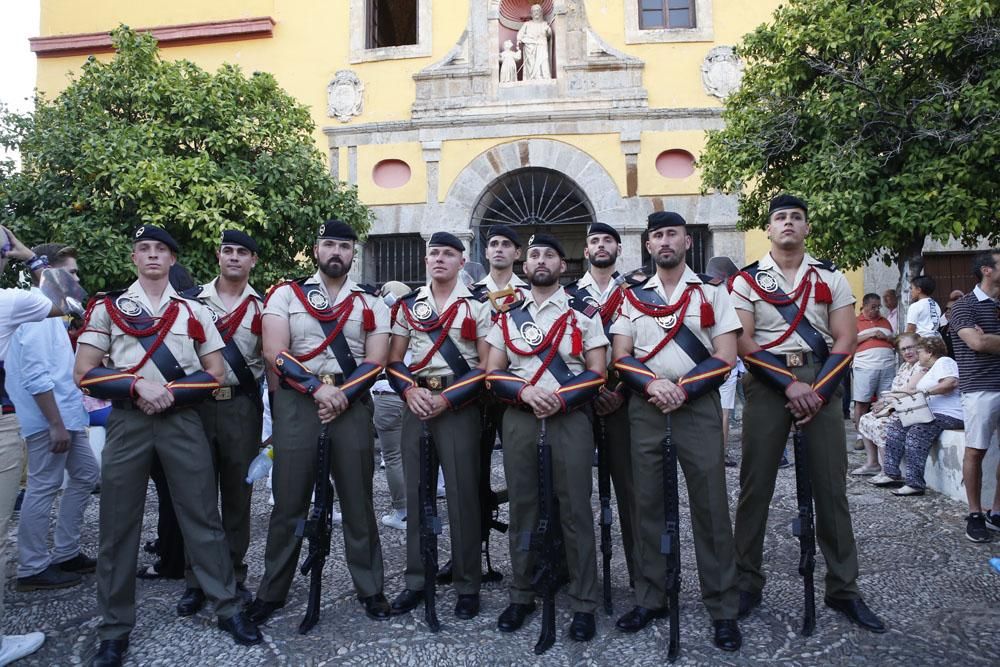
{"x":572,"y":287}
{"x":710,"y":280}
{"x":516,"y":304}
{"x":750,"y":267}
{"x":300,"y":281}
{"x":409,"y":296}
{"x":369,"y":289}
{"x":480,"y":293}
{"x":192,"y":292}
{"x":580,"y":304}
{"x":110,"y":293}
{"x":826,"y":264}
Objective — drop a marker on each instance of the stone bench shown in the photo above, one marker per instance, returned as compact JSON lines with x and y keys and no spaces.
{"x":943,"y":471}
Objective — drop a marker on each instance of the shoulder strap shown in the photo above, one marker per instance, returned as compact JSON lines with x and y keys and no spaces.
{"x":560,"y":371}
{"x":789,"y":311}
{"x":691,"y":344}
{"x":452,"y":355}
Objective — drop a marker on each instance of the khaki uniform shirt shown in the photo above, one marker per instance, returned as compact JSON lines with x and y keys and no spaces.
{"x":672,"y":362}
{"x":545,"y":315}
{"x":768,"y":322}
{"x":421,"y":342}
{"x":590,"y":286}
{"x":306,"y":331}
{"x":491,"y":286}
{"x":126,"y":351}
{"x":248,"y":343}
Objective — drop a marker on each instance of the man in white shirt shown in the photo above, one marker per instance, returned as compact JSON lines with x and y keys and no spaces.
{"x":924,"y":315}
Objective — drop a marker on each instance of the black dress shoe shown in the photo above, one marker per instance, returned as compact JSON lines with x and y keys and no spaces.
{"x":748,"y":602}
{"x":727,"y":634}
{"x":406,"y":601}
{"x":583,"y":627}
{"x":259,"y":610}
{"x":111,"y":653}
{"x":191,"y":602}
{"x":467,"y":606}
{"x":376,"y":607}
{"x":859,"y":613}
{"x":639,"y":618}
{"x":513,"y":616}
{"x":244,"y":632}
{"x":242,"y":594}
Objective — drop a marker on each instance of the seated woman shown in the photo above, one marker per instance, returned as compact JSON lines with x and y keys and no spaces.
{"x":940,"y":385}
{"x":872,"y":427}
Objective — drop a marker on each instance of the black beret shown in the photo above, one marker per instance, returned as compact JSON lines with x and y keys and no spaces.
{"x":659,"y":219}
{"x":336,"y":229}
{"x":601,"y":228}
{"x":785,"y":201}
{"x":154,"y":233}
{"x":446,"y":239}
{"x":236,"y":237}
{"x":547,"y":241}
{"x":503,"y":230}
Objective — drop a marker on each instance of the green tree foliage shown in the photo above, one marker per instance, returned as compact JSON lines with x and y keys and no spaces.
{"x":142,"y":140}
{"x":884,"y":115}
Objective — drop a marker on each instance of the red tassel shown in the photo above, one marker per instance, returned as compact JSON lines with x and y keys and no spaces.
{"x":469,"y":328}
{"x":369,"y":319}
{"x":707,"y":315}
{"x":257,"y":325}
{"x":576,"y":338}
{"x":823,"y":292}
{"x":195,"y":330}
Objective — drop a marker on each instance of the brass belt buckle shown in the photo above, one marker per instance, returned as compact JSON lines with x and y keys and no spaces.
{"x":327,"y":378}
{"x":434,"y":382}
{"x":793,"y":359}
{"x":223,"y":393}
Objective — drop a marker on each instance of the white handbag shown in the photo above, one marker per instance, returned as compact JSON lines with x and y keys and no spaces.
{"x":912,"y":408}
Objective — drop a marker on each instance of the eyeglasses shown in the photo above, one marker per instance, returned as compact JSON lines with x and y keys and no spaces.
{"x":908,"y":348}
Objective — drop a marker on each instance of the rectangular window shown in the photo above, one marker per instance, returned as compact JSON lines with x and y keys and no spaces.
{"x":391,"y":23}
{"x":659,"y":14}
{"x":397,"y":257}
{"x":697,"y":257}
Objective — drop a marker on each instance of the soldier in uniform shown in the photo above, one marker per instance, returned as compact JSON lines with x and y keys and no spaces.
{"x":674,"y":345}
{"x":233,"y":418}
{"x":326,"y":339}
{"x":558,"y":385}
{"x":164,"y":359}
{"x":799,"y":334}
{"x":503,"y":248}
{"x":602,"y":286}
{"x":444,"y":330}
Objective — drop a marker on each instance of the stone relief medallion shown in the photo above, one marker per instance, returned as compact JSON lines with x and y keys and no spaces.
{"x":531,"y":333}
{"x":766,"y":282}
{"x":422,"y":310}
{"x":667,"y":322}
{"x":721,"y":72}
{"x":318,"y":300}
{"x":344,"y":96}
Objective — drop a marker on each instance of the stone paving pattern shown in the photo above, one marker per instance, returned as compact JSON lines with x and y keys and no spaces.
{"x":934,"y":589}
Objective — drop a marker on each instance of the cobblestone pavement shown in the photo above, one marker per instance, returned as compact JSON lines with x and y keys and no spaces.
{"x":934,"y":589}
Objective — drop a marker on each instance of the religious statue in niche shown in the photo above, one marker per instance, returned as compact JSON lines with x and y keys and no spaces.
{"x":533,"y":40}
{"x":509,"y":58}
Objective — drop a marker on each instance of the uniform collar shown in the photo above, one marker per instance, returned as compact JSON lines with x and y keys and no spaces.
{"x":348,"y":287}
{"x":459,"y":292}
{"x":491,"y":286}
{"x":210,"y":291}
{"x":588,"y":281}
{"x":689,"y":277}
{"x":558,"y":299}
{"x":768,"y":263}
{"x":136,"y":290}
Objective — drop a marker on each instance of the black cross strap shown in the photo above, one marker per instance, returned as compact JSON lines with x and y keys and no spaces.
{"x":452,"y":355}
{"x":560,"y":371}
{"x":161,"y":356}
{"x":684,"y":337}
{"x":789,"y":312}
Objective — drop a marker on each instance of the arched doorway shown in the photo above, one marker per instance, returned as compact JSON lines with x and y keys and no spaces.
{"x":532,"y":200}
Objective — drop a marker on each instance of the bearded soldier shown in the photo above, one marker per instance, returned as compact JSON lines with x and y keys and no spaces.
{"x":674,"y":344}
{"x":233,"y":417}
{"x":799,"y":335}
{"x":326,"y":338}
{"x":443,"y":327}
{"x":548,"y":360}
{"x":164,"y":358}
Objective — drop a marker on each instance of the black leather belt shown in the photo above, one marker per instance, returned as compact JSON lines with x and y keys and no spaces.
{"x":435,"y":382}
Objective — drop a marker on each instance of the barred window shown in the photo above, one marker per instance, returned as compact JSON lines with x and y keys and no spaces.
{"x":396,"y":257}
{"x":655,"y":14}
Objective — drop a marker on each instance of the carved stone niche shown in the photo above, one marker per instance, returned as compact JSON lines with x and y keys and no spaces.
{"x":721,"y":72}
{"x":588,"y":73}
{"x":345,"y":96}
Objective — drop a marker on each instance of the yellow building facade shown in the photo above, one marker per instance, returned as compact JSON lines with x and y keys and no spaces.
{"x":595,"y":110}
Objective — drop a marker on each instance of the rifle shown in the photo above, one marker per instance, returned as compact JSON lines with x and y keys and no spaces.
{"x":670,"y":540}
{"x":317,"y":528}
{"x":544,"y":542}
{"x":430,"y":525}
{"x":604,"y":492}
{"x":489,"y":500}
{"x":804,"y":529}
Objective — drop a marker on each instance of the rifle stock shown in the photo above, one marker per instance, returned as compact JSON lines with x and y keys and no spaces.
{"x":803,"y":527}
{"x":670,"y":540}
{"x":604,"y":492}
{"x":317,"y":527}
{"x":430,"y":526}
{"x":489,"y":500}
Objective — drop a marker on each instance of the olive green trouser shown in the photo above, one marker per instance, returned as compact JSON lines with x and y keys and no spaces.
{"x":766,"y":422}
{"x":572,"y":441}
{"x":455,"y":437}
{"x":178,"y":439}
{"x":619,"y":457}
{"x":697,"y":436}
{"x":352,"y":462}
{"x":233,"y":430}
